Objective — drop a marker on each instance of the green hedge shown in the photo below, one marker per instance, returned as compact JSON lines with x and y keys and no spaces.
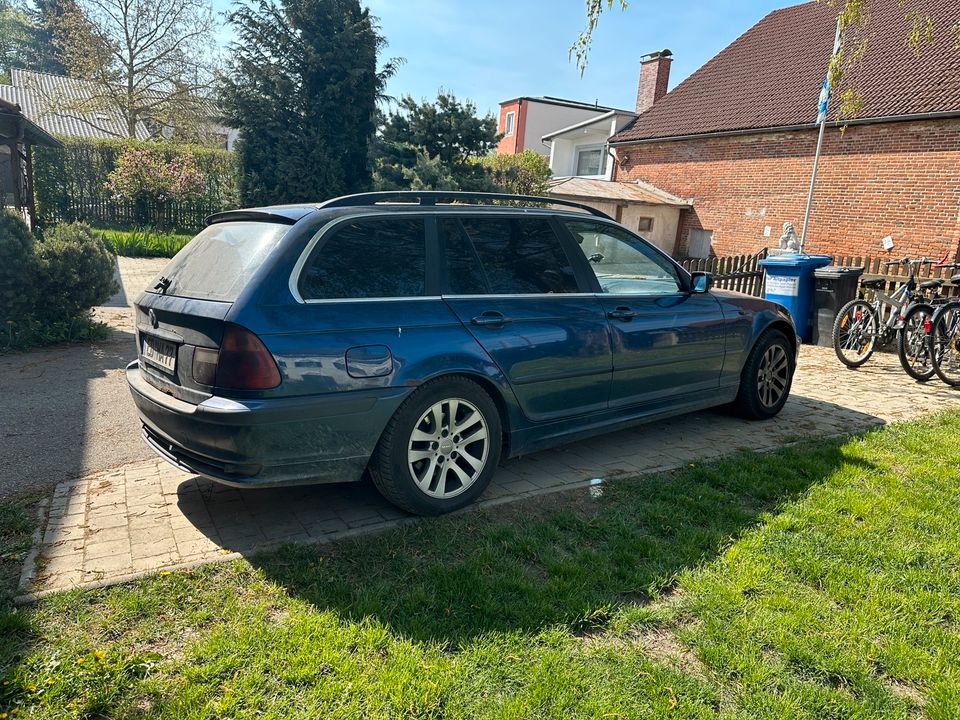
{"x":70,"y":184}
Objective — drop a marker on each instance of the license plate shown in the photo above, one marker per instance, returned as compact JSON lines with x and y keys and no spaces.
{"x":162,"y":353}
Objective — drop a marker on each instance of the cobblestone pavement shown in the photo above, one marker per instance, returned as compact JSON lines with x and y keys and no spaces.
{"x":147,"y":516}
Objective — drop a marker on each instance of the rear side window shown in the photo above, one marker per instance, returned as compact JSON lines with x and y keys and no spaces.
{"x":507,"y":256}
{"x":376,"y":258}
{"x":219,"y":262}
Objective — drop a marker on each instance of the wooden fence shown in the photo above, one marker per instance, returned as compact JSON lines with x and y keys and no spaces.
{"x":896,"y":275}
{"x":743,"y":273}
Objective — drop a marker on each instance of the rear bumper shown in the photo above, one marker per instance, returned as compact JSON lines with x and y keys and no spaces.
{"x":281,"y":441}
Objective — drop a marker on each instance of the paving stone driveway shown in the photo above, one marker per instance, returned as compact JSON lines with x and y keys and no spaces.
{"x":147,"y":516}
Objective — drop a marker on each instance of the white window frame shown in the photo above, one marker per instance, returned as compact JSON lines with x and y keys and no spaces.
{"x":589,"y":148}
{"x":509,"y":123}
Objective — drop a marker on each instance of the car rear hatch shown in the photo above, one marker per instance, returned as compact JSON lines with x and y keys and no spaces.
{"x":181,"y":317}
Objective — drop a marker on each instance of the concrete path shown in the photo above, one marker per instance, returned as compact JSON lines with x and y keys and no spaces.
{"x":146,"y":516}
{"x":66,"y":410}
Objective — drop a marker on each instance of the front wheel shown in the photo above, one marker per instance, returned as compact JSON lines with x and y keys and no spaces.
{"x":912,"y":342}
{"x":944,"y":343}
{"x":766,"y":377}
{"x":439,"y":451}
{"x":855,"y":333}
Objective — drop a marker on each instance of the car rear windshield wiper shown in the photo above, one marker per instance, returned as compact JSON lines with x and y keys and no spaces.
{"x":163,"y":285}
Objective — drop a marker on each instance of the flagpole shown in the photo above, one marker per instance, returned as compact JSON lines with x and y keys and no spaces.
{"x":824,"y":99}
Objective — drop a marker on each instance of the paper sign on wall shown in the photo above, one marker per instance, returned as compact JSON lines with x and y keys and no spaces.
{"x":780,"y":285}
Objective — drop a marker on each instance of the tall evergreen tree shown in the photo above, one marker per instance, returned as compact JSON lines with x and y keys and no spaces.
{"x":420,"y":136}
{"x":302,"y":88}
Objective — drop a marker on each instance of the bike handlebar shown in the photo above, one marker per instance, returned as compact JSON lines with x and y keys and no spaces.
{"x":908,"y":261}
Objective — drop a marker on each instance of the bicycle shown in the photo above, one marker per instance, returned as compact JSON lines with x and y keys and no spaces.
{"x":943,"y":340}
{"x":861,"y":325}
{"x":913,"y":341}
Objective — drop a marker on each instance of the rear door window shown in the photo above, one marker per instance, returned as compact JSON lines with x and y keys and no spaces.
{"x":219,"y":262}
{"x":374,"y":258}
{"x":505,"y":256}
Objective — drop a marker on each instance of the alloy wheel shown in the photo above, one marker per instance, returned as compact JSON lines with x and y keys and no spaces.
{"x":448,"y":448}
{"x":773,"y":376}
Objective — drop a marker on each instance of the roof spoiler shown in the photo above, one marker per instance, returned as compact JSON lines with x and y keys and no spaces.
{"x":254,"y":215}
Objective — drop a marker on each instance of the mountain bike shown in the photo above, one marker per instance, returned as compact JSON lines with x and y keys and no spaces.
{"x":943,"y":340}
{"x":913,"y":345}
{"x":861,"y":325}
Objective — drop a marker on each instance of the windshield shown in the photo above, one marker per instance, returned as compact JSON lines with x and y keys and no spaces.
{"x":219,"y":262}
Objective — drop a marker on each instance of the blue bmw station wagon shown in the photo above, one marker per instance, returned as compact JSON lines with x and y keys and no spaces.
{"x":421,"y":337}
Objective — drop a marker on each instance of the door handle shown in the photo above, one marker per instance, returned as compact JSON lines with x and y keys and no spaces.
{"x":490,"y":318}
{"x":621,"y":313}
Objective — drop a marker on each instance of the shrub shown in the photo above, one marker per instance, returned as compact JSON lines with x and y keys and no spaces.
{"x":75,"y":272}
{"x":17,"y":268}
{"x":48,"y":288}
{"x":525,"y":173}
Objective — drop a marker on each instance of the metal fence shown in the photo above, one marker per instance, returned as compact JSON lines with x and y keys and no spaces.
{"x":191,"y":216}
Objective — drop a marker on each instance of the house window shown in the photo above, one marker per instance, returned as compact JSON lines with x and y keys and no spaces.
{"x":644,"y":224}
{"x":590,"y":161}
{"x":508,"y":123}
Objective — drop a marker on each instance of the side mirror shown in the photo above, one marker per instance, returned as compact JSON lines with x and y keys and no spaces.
{"x":700,"y":282}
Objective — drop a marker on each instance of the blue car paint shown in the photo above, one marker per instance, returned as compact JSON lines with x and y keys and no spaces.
{"x":558,"y":370}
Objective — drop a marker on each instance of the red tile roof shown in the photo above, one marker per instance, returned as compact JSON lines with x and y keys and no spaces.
{"x":771,"y":75}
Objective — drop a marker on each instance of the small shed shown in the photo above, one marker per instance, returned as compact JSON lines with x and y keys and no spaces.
{"x":639,"y":206}
{"x":17,"y":136}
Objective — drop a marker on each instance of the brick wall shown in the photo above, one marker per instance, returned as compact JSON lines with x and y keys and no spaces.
{"x":900,"y":179}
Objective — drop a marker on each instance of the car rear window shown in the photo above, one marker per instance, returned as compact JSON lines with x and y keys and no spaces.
{"x":219,"y":262}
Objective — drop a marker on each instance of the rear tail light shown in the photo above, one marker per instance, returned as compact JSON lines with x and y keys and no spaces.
{"x":242,"y":363}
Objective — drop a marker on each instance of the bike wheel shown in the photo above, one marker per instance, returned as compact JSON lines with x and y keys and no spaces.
{"x":855,"y":333}
{"x":944,"y":343}
{"x":912,"y":345}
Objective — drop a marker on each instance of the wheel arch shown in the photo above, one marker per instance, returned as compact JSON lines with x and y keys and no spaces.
{"x":495,"y":392}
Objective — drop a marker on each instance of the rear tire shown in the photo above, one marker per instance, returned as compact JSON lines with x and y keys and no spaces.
{"x":945,"y":343}
{"x":766,"y":377}
{"x":855,"y":333}
{"x":439,"y":451}
{"x":913,"y":345}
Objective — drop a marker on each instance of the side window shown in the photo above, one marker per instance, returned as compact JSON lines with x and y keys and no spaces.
{"x":376,"y":258}
{"x":518,"y":256}
{"x":623,"y":263}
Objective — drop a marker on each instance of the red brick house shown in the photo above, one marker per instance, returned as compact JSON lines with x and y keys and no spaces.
{"x":737,"y":137}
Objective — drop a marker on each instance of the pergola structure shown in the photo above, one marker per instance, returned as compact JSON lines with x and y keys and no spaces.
{"x":17,"y":136}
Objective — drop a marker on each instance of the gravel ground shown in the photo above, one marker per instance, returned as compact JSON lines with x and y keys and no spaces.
{"x":65,"y":410}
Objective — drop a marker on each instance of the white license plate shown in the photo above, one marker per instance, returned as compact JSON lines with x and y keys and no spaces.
{"x":160,"y":352}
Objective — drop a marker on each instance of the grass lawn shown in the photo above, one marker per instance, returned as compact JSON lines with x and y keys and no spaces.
{"x":821,"y":581}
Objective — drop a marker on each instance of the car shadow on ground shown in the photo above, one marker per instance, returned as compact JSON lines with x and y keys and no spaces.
{"x":530,"y":564}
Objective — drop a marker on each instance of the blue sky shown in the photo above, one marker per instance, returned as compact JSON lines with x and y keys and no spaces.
{"x":494,"y":50}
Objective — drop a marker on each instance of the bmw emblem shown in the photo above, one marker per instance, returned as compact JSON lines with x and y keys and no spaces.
{"x":153,"y":318}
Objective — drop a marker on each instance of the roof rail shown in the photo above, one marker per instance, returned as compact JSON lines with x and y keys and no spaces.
{"x":433,"y":197}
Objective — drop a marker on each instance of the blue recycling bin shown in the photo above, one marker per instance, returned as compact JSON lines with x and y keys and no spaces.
{"x":789,"y":281}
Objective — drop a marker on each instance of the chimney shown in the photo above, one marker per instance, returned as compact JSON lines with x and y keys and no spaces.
{"x":654,"y":74}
